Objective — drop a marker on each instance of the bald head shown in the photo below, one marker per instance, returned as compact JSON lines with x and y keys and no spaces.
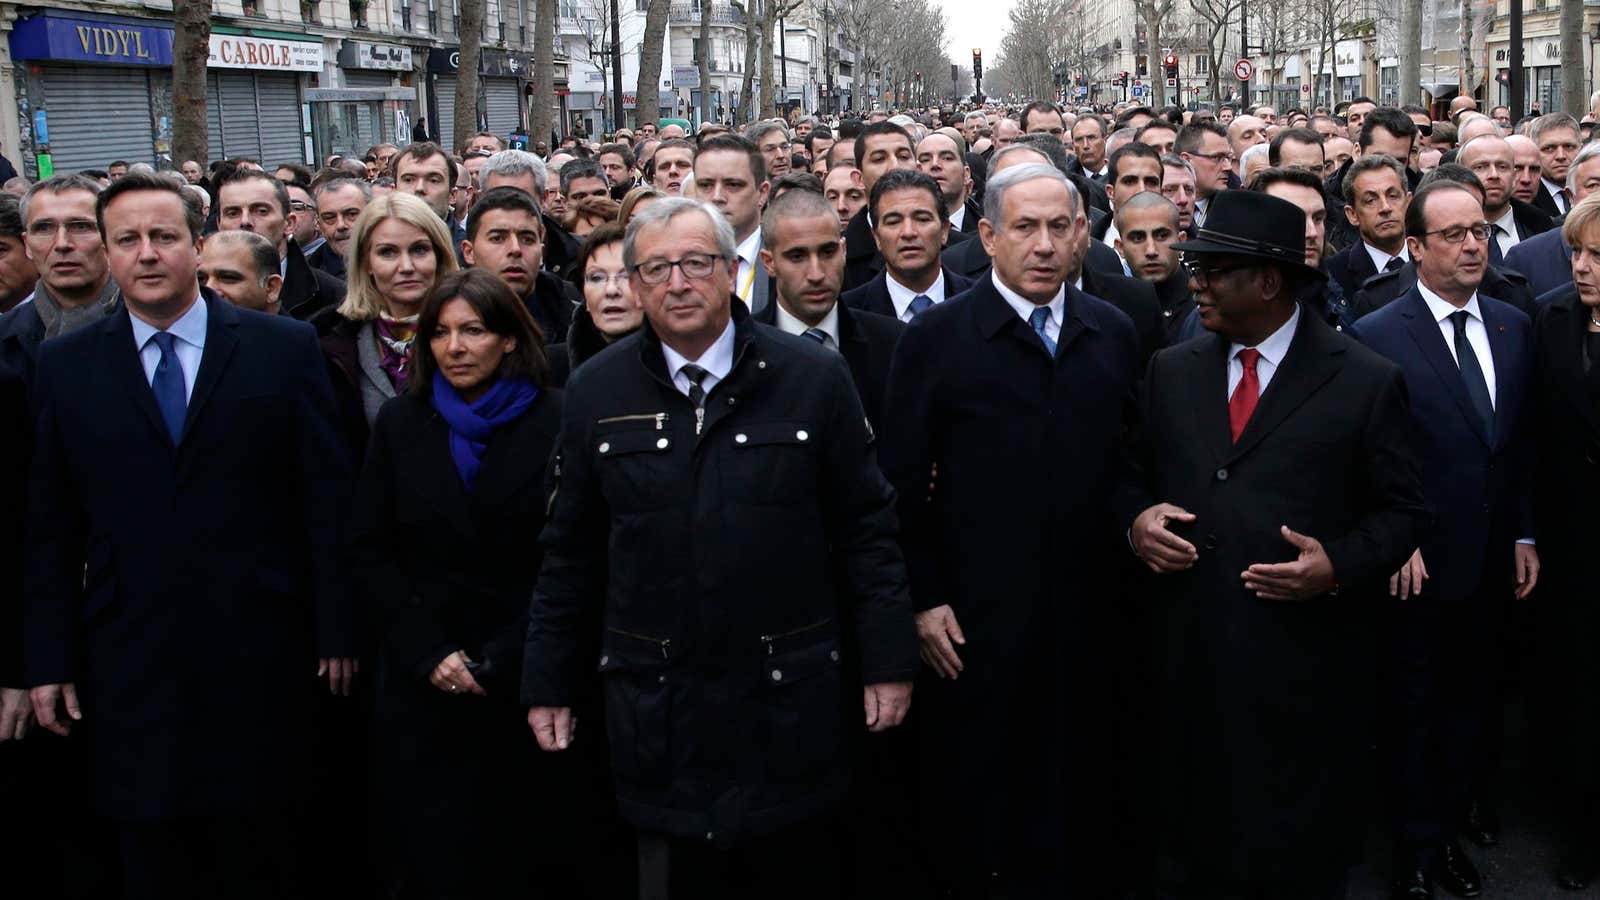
{"x":1245,"y":132}
{"x":1476,"y":126}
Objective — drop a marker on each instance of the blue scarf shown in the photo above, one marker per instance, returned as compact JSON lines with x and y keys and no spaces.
{"x":471,"y":425}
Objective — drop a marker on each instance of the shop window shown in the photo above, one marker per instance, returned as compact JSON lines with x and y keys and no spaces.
{"x":310,"y":12}
{"x":358,"y":13}
{"x":405,"y":15}
{"x":251,"y":7}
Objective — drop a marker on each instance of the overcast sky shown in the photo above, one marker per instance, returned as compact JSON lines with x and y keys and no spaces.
{"x":976,"y":23}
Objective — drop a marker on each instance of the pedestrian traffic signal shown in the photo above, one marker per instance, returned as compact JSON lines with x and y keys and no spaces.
{"x":1171,"y":63}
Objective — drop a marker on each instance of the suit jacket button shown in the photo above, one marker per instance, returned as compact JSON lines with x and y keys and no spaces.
{"x":1211,"y":542}
{"x":1222,"y":474}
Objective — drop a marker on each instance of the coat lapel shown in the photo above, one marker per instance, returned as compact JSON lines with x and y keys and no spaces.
{"x":221,"y":340}
{"x":1208,"y":393}
{"x":1502,"y":350}
{"x":1424,"y":331}
{"x":443,"y":485}
{"x":853,"y":345}
{"x":1306,"y":368}
{"x":117,"y":336}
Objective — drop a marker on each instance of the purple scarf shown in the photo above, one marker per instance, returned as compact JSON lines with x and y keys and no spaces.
{"x":471,"y":425}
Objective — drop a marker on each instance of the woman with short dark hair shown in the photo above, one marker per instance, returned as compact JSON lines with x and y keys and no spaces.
{"x":610,"y":310}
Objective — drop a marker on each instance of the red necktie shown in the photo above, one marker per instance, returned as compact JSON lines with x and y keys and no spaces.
{"x":1243,"y":402}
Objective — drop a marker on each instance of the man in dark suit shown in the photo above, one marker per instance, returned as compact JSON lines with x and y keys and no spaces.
{"x":940,"y":155}
{"x":1147,"y":225}
{"x":1491,"y":159}
{"x":339,"y":203}
{"x":1384,"y":131}
{"x":505,"y":236}
{"x":1467,"y":362}
{"x":1023,"y":377}
{"x":252,"y":200}
{"x":178,"y":613}
{"x":1266,"y":578}
{"x":1556,"y":136}
{"x":1545,"y":259}
{"x":1375,"y":197}
{"x":806,"y":271}
{"x":909,"y":226}
{"x":880,"y":147}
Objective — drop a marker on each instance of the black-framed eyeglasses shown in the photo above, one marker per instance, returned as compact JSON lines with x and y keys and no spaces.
{"x":1455,"y":234}
{"x":1202,"y":274}
{"x":694,"y":265}
{"x":1224,"y":156}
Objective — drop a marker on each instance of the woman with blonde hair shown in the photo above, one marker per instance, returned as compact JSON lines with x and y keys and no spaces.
{"x":399,"y":250}
{"x":635,"y":200}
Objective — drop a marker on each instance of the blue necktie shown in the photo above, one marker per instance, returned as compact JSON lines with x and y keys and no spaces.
{"x":168,"y":387}
{"x":1471,"y":372}
{"x":920,"y":304}
{"x":1040,"y":317}
{"x":816,"y":334}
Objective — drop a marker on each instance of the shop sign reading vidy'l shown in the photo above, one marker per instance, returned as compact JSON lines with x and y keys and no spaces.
{"x":85,"y":37}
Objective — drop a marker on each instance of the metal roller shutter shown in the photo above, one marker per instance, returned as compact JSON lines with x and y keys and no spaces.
{"x":239,"y":134}
{"x":368,"y":130}
{"x":368,"y":79}
{"x":97,"y":114}
{"x":444,"y":92}
{"x":214,"y":118}
{"x":504,"y":104}
{"x":278,"y":100}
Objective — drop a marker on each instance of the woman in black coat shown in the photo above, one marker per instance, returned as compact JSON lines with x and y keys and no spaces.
{"x":610,"y":311}
{"x":1567,"y":405}
{"x":449,"y":508}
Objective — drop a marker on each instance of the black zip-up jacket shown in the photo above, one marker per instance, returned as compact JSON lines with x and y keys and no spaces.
{"x":734,"y":556}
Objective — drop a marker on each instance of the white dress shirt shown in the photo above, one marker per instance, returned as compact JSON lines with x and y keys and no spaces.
{"x":958,"y":218}
{"x":717,"y":361}
{"x":1505,"y":233}
{"x":190,"y":331}
{"x":1272,"y":350}
{"x":828,"y":326}
{"x":1477,"y":334}
{"x":1556,"y":193}
{"x":1025,"y":307}
{"x":1381,"y":259}
{"x":901,"y":296}
{"x":749,"y":253}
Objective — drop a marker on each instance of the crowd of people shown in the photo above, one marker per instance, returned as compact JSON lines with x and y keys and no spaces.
{"x":979,"y":503}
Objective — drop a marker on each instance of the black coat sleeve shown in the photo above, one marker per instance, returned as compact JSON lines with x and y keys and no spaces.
{"x":908,"y":454}
{"x":14,"y":454}
{"x":860,"y":512}
{"x":54,"y":545}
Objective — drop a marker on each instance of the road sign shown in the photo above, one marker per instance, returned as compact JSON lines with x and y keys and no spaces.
{"x":1242,"y":70}
{"x":1305,"y":88}
{"x":1138,"y":90}
{"x":1172,"y":82}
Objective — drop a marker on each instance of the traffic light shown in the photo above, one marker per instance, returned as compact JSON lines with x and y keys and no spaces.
{"x":1171,"y":63}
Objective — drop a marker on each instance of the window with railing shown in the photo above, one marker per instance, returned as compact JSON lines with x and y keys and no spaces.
{"x":309,"y":12}
{"x":405,"y":15}
{"x":455,"y":16}
{"x":251,"y":7}
{"x":433,"y":16}
{"x":358,"y":13}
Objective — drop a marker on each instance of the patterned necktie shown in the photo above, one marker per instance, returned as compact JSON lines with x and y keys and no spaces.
{"x":1242,"y":405}
{"x":1394,"y":264}
{"x":1040,"y":318}
{"x":920,"y":304}
{"x":816,"y":334}
{"x":167,"y":384}
{"x":1471,"y":372}
{"x":697,"y":394}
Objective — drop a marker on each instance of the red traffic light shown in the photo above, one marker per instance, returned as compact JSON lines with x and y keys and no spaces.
{"x":1172,"y":59}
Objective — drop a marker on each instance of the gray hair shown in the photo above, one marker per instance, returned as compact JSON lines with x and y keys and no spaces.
{"x":1120,"y":138}
{"x":336,"y":184}
{"x":200,"y":194}
{"x":514,"y":164}
{"x":665,"y":210}
{"x":995,"y":190}
{"x":144,"y":167}
{"x":1551,"y":123}
{"x":1589,"y":151}
{"x":1177,"y":162}
{"x":59,"y":184}
{"x":1365,"y":164}
{"x":975,"y":114}
{"x":1252,"y":152}
{"x":759,"y":130}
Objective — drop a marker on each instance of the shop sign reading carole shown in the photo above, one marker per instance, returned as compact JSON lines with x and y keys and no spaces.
{"x":239,"y":51}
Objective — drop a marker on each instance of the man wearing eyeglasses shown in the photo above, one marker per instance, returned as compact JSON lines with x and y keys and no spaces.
{"x":1205,"y":147}
{"x":776,"y":149}
{"x":1467,"y":360}
{"x":1265,"y":578}
{"x":718,"y":506}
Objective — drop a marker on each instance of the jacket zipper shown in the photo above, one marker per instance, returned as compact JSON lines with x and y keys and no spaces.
{"x":660,"y":419}
{"x":664,"y":643}
{"x":556,"y":489}
{"x":768,"y":639}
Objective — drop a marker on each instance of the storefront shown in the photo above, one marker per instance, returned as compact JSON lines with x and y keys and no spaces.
{"x":96,"y":89}
{"x":501,"y":77}
{"x":99,"y":88}
{"x":1541,"y":72}
{"x":374,"y":105}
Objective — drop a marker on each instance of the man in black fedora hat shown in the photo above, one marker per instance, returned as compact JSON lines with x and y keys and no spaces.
{"x":1268,"y":581}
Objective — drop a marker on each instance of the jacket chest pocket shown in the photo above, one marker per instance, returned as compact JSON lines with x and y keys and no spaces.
{"x":806,"y":733}
{"x":636,"y":468}
{"x":772,"y":463}
{"x":638,"y":688}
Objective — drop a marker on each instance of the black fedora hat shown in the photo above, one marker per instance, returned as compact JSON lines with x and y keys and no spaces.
{"x":1250,"y":223}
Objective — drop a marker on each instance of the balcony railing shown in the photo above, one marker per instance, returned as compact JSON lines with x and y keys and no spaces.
{"x":689,"y":14}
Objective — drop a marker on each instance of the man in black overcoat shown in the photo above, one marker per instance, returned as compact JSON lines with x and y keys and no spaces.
{"x":1268,"y":581}
{"x":1015,"y":394}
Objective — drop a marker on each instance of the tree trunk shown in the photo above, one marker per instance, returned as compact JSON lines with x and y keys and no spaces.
{"x":705,"y":60}
{"x":467,"y":119}
{"x":191,"y":49}
{"x":1152,"y":67}
{"x":769,"y":80}
{"x":1410,"y":52}
{"x":748,"y":102}
{"x":544,"y":72}
{"x":647,"y":95}
{"x":1574,"y":99}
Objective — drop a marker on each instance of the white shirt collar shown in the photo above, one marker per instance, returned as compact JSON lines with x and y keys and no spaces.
{"x":1381,"y":259}
{"x":1442,"y":308}
{"x":749,"y":249}
{"x":1025,"y":307}
{"x":959,"y":217}
{"x":1554,"y":189}
{"x":1276,"y":345}
{"x":1508,"y":220}
{"x":190,"y":327}
{"x":717,"y":360}
{"x":901,"y":296}
{"x":828,"y":326}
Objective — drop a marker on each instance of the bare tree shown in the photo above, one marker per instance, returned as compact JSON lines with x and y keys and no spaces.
{"x":1154,"y":13}
{"x":1410,"y":49}
{"x":866,"y":22}
{"x":753,"y":25}
{"x":775,"y":11}
{"x":544,"y":70}
{"x":705,"y":60}
{"x":1573,"y":98}
{"x":1215,"y":16}
{"x":191,"y":48}
{"x":647,"y":95}
{"x":466,"y":122}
